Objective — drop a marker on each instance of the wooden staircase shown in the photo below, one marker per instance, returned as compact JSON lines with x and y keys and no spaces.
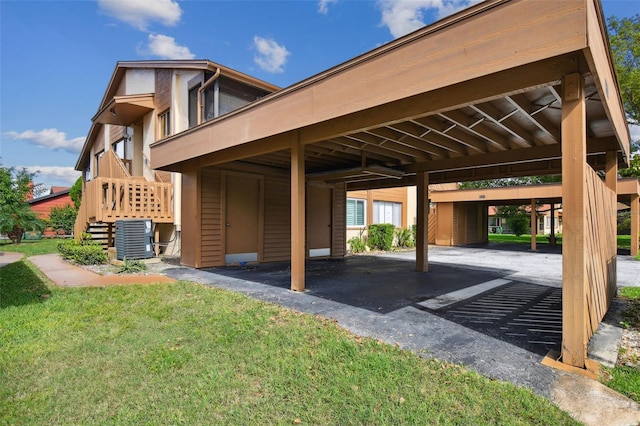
{"x":114,"y":194}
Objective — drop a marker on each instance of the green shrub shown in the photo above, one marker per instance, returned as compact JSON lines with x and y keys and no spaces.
{"x":83,"y":252}
{"x":357,"y":245}
{"x":404,"y":238}
{"x":131,"y":266}
{"x":381,"y":236}
{"x":519,"y":224}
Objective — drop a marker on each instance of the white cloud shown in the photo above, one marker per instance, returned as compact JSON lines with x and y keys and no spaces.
{"x":271,"y":55}
{"x":140,"y":13}
{"x":165,"y":47}
{"x":323,"y":5}
{"x":405,"y":16}
{"x":50,"y":139}
{"x":53,"y":175}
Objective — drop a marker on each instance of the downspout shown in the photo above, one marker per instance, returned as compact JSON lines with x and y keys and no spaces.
{"x":206,"y":84}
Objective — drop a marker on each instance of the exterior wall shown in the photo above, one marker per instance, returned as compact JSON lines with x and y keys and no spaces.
{"x":162,"y":90}
{"x":459,"y":224}
{"x":139,"y":81}
{"x":203,"y":233}
{"x":43,"y":208}
{"x":395,"y":195}
{"x":339,"y":225}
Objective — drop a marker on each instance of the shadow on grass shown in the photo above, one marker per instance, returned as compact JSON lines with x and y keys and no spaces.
{"x":21,"y":285}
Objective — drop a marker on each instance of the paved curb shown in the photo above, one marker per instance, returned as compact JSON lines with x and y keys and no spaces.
{"x":64,"y":274}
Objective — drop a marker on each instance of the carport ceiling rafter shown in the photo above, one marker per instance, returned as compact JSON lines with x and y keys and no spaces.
{"x":509,"y":124}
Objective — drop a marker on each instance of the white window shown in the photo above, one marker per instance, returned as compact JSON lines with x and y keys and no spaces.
{"x":164,"y":124}
{"x":355,"y":212}
{"x":387,"y":212}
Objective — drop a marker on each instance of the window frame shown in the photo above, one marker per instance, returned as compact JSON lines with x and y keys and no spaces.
{"x":164,"y":124}
{"x":364,"y":212}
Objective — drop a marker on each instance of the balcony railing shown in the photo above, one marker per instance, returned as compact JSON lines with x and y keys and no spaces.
{"x":110,"y":199}
{"x":115,"y":194}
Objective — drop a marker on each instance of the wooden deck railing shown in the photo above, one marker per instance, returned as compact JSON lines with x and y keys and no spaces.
{"x":110,"y":199}
{"x":115,"y":194}
{"x":111,"y":166}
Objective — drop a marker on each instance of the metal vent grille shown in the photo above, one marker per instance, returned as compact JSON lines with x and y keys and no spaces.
{"x":134,"y":239}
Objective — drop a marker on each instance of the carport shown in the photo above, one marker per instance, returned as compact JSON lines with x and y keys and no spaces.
{"x":628,"y":193}
{"x":504,"y":88}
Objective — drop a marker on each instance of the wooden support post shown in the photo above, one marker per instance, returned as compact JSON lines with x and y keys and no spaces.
{"x":422,"y":227}
{"x":611,"y":180}
{"x":574,"y":192}
{"x":297,"y":216}
{"x":611,"y":171}
{"x":634,"y":224}
{"x":552,"y":236}
{"x":534,"y":224}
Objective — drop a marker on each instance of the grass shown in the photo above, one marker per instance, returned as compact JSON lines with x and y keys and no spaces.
{"x":32,"y":247}
{"x":624,"y":241}
{"x":182,"y":353}
{"x":626,"y":378}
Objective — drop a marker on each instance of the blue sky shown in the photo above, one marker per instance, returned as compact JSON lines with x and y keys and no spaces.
{"x":56,"y":57}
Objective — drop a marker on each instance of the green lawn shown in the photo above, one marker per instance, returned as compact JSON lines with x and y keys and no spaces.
{"x":624,"y":241}
{"x":189,"y":354}
{"x":626,"y":379}
{"x":32,"y":247}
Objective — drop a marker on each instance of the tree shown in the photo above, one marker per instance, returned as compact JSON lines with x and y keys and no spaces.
{"x":76,"y":193}
{"x":514,"y":181}
{"x":624,"y":37}
{"x":16,"y":215}
{"x":63,"y":218}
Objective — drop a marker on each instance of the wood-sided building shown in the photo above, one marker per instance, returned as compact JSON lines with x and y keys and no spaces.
{"x":503,"y":88}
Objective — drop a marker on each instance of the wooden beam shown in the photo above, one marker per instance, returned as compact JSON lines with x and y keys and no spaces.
{"x":574,"y":256}
{"x":534,"y":223}
{"x":634,"y":224}
{"x":611,"y":170}
{"x":422,"y":228}
{"x":297,"y":216}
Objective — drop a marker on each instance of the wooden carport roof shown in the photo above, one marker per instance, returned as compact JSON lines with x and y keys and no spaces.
{"x":476,"y":95}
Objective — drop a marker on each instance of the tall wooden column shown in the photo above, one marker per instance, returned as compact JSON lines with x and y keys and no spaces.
{"x":574,"y":192}
{"x":422,"y":228}
{"x":552,"y":235}
{"x":297,"y":216}
{"x":534,"y":224}
{"x":634,"y":224}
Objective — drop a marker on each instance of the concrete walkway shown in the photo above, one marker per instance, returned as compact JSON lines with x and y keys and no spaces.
{"x":64,"y":274}
{"x":8,"y":257}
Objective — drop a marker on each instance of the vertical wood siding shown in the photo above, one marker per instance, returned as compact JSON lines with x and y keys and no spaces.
{"x":277,"y":219}
{"x":98,"y":144}
{"x":115,"y":133}
{"x":163,"y":90}
{"x":601,"y":245}
{"x":339,"y":221}
{"x":211,"y":219}
{"x":433,"y":225}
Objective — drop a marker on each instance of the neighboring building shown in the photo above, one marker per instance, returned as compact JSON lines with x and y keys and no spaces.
{"x":144,"y":102}
{"x":58,"y":197}
{"x":499,"y":225}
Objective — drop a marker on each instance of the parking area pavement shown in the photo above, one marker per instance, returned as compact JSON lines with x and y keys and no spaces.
{"x":495,"y":313}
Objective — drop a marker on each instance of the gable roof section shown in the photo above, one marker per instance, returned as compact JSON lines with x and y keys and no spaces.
{"x":142,"y":103}
{"x":479,"y":89}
